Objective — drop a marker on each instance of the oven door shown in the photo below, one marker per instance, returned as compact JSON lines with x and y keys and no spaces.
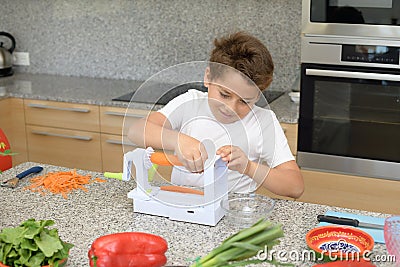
{"x":350,"y":120}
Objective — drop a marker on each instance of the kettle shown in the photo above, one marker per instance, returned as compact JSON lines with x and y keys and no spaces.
{"x":6,"y":58}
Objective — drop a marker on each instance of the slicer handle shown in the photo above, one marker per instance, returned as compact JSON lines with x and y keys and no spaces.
{"x":337,"y":220}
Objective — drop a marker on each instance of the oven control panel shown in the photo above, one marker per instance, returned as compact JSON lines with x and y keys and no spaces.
{"x":370,"y":53}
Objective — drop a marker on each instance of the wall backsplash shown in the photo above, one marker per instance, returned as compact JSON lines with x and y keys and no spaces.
{"x":126,"y":39}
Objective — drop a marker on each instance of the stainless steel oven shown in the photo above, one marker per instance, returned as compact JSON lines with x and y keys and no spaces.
{"x":371,"y":18}
{"x":349,"y":119}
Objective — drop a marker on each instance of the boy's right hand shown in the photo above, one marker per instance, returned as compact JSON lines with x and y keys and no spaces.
{"x":191,"y":152}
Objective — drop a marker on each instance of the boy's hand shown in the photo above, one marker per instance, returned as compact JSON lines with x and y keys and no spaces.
{"x":191,"y":153}
{"x":235,"y":158}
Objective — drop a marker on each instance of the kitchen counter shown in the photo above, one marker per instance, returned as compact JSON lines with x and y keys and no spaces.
{"x":105,"y":209}
{"x":98,"y":91}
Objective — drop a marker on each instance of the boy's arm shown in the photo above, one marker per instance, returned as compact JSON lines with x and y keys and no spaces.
{"x":156,"y":131}
{"x":284,"y":179}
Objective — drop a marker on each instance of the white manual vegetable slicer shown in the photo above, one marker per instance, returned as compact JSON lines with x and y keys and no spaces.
{"x":202,"y":209}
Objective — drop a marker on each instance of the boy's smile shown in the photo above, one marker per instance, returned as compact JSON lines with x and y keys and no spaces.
{"x":232,"y":96}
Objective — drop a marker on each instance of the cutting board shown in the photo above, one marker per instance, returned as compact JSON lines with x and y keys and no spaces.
{"x":376,"y":234}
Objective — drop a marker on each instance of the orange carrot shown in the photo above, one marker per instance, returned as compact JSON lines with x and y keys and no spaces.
{"x":60,"y":183}
{"x":163,"y":159}
{"x":181,"y":189}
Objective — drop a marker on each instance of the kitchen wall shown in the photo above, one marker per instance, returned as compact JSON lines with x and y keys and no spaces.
{"x":127,"y":39}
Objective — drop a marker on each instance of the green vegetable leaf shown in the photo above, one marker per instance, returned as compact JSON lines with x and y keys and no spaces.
{"x":12,"y":253}
{"x":247,"y":246}
{"x":29,"y":244}
{"x":12,"y":235}
{"x":35,"y":227}
{"x":48,"y":244}
{"x":36,"y":260}
{"x":24,"y":255}
{"x":5,"y":251}
{"x":32,"y":244}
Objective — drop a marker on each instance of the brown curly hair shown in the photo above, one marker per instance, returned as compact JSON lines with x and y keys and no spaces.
{"x":246,"y":54}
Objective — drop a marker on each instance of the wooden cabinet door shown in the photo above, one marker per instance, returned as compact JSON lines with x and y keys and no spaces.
{"x":62,"y":147}
{"x":112,"y":119}
{"x":290,"y":131}
{"x":62,"y":115}
{"x":112,"y":150}
{"x":12,"y":121}
{"x":355,"y":192}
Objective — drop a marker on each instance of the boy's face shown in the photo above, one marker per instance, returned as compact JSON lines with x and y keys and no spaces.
{"x":231,"y":97}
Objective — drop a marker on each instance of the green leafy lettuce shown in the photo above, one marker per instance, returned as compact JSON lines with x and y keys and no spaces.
{"x":32,"y":244}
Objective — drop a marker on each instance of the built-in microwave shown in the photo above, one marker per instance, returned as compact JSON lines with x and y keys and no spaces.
{"x":357,"y":18}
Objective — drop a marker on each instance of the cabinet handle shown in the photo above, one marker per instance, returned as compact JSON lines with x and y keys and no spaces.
{"x":113,"y":113}
{"x":77,"y":137}
{"x":82,"y":110}
{"x":117,"y":142}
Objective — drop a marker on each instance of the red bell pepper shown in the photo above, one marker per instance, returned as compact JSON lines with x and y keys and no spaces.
{"x":128,"y":249}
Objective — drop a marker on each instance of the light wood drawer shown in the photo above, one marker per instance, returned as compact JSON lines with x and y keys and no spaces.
{"x":290,"y":131}
{"x":112,"y":119}
{"x":62,"y":115}
{"x":355,"y":192}
{"x":263,"y":191}
{"x":112,"y":150}
{"x":69,"y":148}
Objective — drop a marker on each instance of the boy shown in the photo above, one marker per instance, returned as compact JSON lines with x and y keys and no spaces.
{"x":248,"y":138}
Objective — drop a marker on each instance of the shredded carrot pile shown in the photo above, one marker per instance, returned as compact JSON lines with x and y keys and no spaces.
{"x":61,"y":182}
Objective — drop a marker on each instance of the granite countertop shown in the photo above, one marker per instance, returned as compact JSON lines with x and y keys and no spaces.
{"x":105,"y":209}
{"x":98,"y":91}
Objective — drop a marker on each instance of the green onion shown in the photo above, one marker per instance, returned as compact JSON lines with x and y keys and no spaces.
{"x":243,"y":245}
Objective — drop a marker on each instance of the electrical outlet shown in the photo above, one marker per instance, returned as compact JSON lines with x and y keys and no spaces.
{"x":21,"y":58}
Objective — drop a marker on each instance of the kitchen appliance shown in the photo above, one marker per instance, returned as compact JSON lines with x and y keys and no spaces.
{"x":353,"y":18}
{"x":6,"y":58}
{"x":195,"y":208}
{"x":349,"y":118}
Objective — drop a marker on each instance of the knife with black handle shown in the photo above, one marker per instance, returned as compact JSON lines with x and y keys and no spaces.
{"x":347,"y":221}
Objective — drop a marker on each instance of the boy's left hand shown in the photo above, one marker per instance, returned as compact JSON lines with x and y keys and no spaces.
{"x":235,"y":158}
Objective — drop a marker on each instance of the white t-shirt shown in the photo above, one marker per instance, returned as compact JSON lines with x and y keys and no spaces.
{"x":259,"y":135}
